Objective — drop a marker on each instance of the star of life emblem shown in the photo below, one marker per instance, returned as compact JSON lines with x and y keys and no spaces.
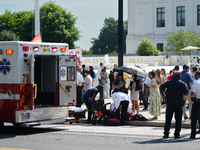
{"x":5,"y":66}
{"x":62,"y":72}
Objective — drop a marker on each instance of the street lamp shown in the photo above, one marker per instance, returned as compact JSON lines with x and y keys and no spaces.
{"x":120,"y":33}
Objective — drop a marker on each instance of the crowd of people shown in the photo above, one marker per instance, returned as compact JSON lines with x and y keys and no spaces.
{"x":175,"y":91}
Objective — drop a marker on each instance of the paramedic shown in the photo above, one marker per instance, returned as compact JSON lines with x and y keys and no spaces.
{"x":195,"y":97}
{"x":175,"y":89}
{"x":88,"y":97}
{"x":80,"y":82}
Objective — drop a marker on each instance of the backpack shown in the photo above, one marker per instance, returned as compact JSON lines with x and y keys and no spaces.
{"x":139,"y":117}
{"x":113,"y":122}
{"x":95,"y":74}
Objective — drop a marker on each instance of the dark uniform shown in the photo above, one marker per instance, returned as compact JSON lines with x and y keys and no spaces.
{"x":195,"y":108}
{"x":175,"y":91}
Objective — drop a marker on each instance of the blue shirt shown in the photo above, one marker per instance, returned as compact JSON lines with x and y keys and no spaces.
{"x":186,"y":78}
{"x":89,"y":93}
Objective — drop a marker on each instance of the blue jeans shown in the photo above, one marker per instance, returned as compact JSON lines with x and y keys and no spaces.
{"x":89,"y":105}
{"x":143,"y":99}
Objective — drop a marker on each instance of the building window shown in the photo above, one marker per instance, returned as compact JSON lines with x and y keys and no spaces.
{"x":181,"y":16}
{"x":160,"y":46}
{"x":198,"y":15}
{"x":161,"y":17}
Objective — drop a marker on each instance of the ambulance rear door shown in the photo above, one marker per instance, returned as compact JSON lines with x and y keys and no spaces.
{"x":67,"y":79}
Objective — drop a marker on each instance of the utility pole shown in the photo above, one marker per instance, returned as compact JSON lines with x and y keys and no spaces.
{"x":120,"y":33}
{"x":37,"y":18}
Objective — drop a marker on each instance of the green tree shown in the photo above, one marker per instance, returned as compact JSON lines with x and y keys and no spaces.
{"x":85,"y":52}
{"x":7,"y":35}
{"x":146,"y":48}
{"x":57,"y":24}
{"x":107,"y":41}
{"x":181,"y":39}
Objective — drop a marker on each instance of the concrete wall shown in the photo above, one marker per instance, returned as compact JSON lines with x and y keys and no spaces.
{"x":133,"y":60}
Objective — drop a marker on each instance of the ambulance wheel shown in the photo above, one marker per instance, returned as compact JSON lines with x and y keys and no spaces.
{"x":1,"y":124}
{"x":17,"y":125}
{"x":70,"y":122}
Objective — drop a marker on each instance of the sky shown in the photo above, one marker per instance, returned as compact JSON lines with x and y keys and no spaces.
{"x":90,"y":14}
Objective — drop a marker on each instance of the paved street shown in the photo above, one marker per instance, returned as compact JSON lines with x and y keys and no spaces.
{"x":86,"y":137}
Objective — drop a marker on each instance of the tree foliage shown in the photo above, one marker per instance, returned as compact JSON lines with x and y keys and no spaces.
{"x":107,"y":41}
{"x":85,"y":52}
{"x":181,"y":39}
{"x":57,"y":24}
{"x":146,"y":48}
{"x":7,"y":35}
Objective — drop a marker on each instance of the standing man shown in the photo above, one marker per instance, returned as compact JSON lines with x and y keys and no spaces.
{"x":99,"y":78}
{"x":88,"y":81}
{"x":186,"y":78}
{"x":79,"y":84}
{"x":83,"y":72}
{"x":196,"y":105}
{"x":175,"y":91}
{"x":115,"y":68}
{"x":90,"y":93}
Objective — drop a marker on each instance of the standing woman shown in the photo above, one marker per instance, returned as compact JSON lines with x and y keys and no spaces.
{"x":134,"y":86}
{"x":119,"y":83}
{"x":154,"y":97}
{"x":163,"y":75}
{"x":158,"y":77}
{"x":104,"y":81}
{"x":92,"y":74}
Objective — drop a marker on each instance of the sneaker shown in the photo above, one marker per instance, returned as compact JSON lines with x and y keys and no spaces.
{"x":145,"y":109}
{"x":198,"y":132}
{"x":186,"y":118}
{"x":165,"y":136}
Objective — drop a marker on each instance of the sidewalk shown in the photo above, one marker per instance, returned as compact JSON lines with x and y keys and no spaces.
{"x":160,"y":122}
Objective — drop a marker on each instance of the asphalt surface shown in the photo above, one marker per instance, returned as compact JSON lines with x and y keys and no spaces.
{"x":89,"y":137}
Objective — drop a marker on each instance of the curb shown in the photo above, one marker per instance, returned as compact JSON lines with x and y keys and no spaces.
{"x":149,"y":123}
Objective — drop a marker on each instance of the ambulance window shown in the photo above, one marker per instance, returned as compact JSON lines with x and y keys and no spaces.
{"x":70,"y":73}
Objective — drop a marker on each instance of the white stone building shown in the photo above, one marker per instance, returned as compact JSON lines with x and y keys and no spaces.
{"x":156,"y":19}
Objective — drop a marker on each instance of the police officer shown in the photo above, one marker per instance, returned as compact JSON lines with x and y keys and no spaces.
{"x":196,"y":105}
{"x":175,"y":89}
{"x":90,"y":93}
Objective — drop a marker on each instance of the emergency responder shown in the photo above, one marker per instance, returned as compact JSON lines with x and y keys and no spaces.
{"x":80,"y":82}
{"x":175,"y":89}
{"x":195,"y":90}
{"x":88,"y":97}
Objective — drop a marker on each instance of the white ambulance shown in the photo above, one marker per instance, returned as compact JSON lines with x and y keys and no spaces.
{"x":37,"y":82}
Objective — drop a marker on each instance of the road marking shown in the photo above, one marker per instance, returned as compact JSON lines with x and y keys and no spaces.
{"x":5,"y":148}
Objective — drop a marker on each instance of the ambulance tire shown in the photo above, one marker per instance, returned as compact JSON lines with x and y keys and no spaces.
{"x":1,"y":124}
{"x":17,"y":125}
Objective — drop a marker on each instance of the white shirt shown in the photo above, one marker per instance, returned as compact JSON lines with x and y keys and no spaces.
{"x":98,"y":73}
{"x":88,"y":80}
{"x":148,"y":81}
{"x":79,"y":79}
{"x":120,"y":96}
{"x":196,"y":88}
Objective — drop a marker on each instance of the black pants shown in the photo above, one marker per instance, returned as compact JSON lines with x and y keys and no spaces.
{"x":194,"y":117}
{"x":79,"y":94}
{"x":178,"y":110}
{"x":124,"y":105}
{"x":110,"y":90}
{"x":101,"y":93}
{"x":143,"y":99}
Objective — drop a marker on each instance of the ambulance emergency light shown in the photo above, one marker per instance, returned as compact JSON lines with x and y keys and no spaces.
{"x":36,"y":48}
{"x":63,"y":49}
{"x":9,"y":51}
{"x":54,"y":49}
